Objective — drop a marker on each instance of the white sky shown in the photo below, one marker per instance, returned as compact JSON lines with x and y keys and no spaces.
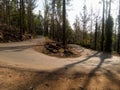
{"x":77,"y":5}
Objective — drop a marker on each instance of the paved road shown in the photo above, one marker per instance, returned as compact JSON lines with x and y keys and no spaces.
{"x":22,"y":55}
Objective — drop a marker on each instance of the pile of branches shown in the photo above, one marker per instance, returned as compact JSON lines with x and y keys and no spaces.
{"x":56,"y":48}
{"x":10,"y":33}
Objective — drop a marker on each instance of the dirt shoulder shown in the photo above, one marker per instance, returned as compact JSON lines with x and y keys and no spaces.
{"x":62,"y":79}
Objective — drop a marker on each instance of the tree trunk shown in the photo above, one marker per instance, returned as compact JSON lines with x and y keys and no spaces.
{"x":22,"y":13}
{"x":64,"y":23}
{"x":103,"y":24}
{"x":96,"y":34}
{"x":118,"y":45}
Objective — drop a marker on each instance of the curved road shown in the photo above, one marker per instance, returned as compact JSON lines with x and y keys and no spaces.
{"x":22,"y":55}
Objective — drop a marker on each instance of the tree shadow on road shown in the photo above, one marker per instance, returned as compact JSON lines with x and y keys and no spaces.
{"x":48,"y":78}
{"x":55,"y":75}
{"x":112,"y":76}
{"x":16,"y":48}
{"x":91,"y":74}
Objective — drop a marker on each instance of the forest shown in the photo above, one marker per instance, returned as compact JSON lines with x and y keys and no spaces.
{"x":19,"y":15}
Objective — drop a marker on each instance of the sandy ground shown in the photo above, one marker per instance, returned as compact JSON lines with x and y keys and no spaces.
{"x":22,"y":68}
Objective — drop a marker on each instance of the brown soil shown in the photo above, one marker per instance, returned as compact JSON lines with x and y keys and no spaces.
{"x":62,"y":79}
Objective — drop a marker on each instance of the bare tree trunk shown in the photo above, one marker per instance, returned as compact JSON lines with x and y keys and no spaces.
{"x":64,"y":23}
{"x":103,"y":26}
{"x":118,"y":45}
{"x":22,"y":16}
{"x":96,"y":34}
{"x":53,"y":12}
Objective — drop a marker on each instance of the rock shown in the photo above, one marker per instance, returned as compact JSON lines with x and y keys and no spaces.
{"x":47,"y":85}
{"x":1,"y":35}
{"x":61,"y":54}
{"x":61,"y":50}
{"x":81,"y":88}
{"x":31,"y":88}
{"x":55,"y":51}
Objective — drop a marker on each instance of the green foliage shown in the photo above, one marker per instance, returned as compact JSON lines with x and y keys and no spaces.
{"x":20,"y":14}
{"x":69,"y":33}
{"x":109,"y":34}
{"x":118,"y":41}
{"x":55,"y":24}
